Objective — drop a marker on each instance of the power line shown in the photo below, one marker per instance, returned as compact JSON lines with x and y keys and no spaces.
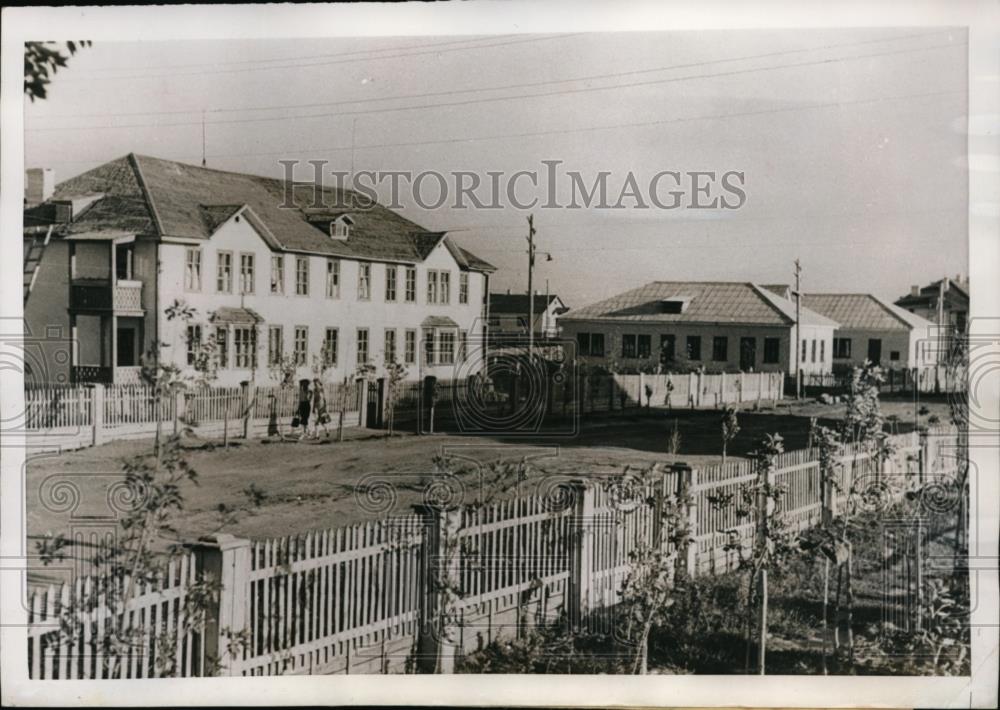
{"x":317,"y":56}
{"x":584,"y":129}
{"x":316,"y":64}
{"x":467,"y":102}
{"x":451,"y":92}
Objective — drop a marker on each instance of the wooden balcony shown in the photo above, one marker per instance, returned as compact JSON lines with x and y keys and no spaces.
{"x":124,"y":297}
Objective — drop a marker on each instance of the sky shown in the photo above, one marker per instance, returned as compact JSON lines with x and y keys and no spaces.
{"x":852,"y":142}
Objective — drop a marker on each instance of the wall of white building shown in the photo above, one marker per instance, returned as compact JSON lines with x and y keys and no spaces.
{"x":912,"y":347}
{"x":345,"y":311}
{"x":613,"y":332}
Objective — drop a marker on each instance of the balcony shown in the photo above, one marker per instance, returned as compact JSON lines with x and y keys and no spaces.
{"x":124,"y":297}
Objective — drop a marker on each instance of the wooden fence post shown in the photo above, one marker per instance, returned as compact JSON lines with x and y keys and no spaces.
{"x":580,"y":599}
{"x":687,"y":479}
{"x":439,"y":633}
{"x":97,"y":414}
{"x":224,"y":560}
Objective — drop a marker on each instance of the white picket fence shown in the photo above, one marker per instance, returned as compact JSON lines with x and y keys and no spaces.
{"x":62,"y":418}
{"x":357,"y":598}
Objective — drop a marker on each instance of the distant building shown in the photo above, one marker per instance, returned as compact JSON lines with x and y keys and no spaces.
{"x":875,"y":330}
{"x":108,"y":251}
{"x":721,"y":326}
{"x":945,"y":302}
{"x":509,"y":315}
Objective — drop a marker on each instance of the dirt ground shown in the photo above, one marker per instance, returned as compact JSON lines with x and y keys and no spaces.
{"x":302,"y":486}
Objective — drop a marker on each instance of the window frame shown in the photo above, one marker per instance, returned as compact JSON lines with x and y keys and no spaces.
{"x":410,"y":346}
{"x":332,"y":277}
{"x":192,"y":269}
{"x":641,"y":350}
{"x":248,"y":275}
{"x":193,"y":343}
{"x":277,"y":269}
{"x":776,"y":344}
{"x":222,"y":345}
{"x":690,"y":342}
{"x":463,"y":287}
{"x":364,"y":281}
{"x":718,"y":340}
{"x":432,"y":287}
{"x":389,"y":343}
{"x":275,"y":345}
{"x":224,"y":275}
{"x":331,"y":356}
{"x":391,"y":283}
{"x":629,"y":345}
{"x":444,"y":287}
{"x":300,"y":336}
{"x":410,"y":285}
{"x":244,"y":347}
{"x":302,"y":276}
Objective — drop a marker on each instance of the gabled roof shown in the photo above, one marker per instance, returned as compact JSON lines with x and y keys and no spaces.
{"x":164,"y":198}
{"x":955,"y":292}
{"x":517,"y":303}
{"x":863,"y":311}
{"x":707,"y":302}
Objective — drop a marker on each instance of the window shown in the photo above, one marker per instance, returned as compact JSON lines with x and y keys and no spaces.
{"x":894,"y":355}
{"x":390,"y":346}
{"x":445,"y":295}
{"x":390,"y":284}
{"x":301,"y":344}
{"x":432,"y":287}
{"x":193,"y":343}
{"x":246,"y":273}
{"x":463,"y":287}
{"x":841,"y":348}
{"x":275,"y":345}
{"x":222,"y":344}
{"x":245,"y":347}
{"x":645,"y":345}
{"x":302,"y":276}
{"x":628,"y":345}
{"x":192,"y":269}
{"x":429,"y":346}
{"x":362,"y":346}
{"x":822,"y":351}
{"x":583,"y":343}
{"x":813,"y":351}
{"x":411,"y":285}
{"x":694,"y":347}
{"x":668,"y":347}
{"x":597,"y":344}
{"x":364,"y":282}
{"x":805,"y":349}
{"x":720,"y":348}
{"x":340,"y":228}
{"x":277,"y":273}
{"x":446,"y":347}
{"x":333,"y":278}
{"x":224,"y":272}
{"x":463,"y":345}
{"x":410,"y":346}
{"x":772,"y":350}
{"x":330,"y":347}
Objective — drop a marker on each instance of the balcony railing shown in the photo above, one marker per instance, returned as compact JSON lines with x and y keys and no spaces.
{"x":128,"y":296}
{"x":123,"y":296}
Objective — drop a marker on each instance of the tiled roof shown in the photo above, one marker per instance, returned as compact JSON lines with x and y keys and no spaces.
{"x":707,"y":302}
{"x":956,"y":294}
{"x":438,"y":322}
{"x":236,"y":316}
{"x":518,"y":303}
{"x":863,"y":311}
{"x":166,"y":198}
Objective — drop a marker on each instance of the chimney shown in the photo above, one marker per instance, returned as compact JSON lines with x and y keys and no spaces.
{"x":914,"y":290}
{"x":39,"y":185}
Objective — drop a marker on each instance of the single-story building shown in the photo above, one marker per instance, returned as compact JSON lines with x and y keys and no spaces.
{"x":509,"y":315}
{"x":721,"y":326}
{"x":875,"y":330}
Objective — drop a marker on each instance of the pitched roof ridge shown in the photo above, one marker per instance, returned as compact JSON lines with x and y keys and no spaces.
{"x":897,"y":313}
{"x":767,"y":296}
{"x":147,"y":195}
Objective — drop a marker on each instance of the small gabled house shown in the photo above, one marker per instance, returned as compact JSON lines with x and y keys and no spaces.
{"x":509,"y":315}
{"x":721,"y":326}
{"x":271,"y":272}
{"x":875,"y":330}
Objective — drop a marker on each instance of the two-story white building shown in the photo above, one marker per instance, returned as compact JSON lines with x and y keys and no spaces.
{"x":272,"y":270}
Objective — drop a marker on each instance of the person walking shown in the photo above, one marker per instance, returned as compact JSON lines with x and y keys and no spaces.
{"x":321,"y":417}
{"x":305,"y":403}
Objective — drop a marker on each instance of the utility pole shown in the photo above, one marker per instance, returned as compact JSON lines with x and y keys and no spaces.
{"x":203,"y":138}
{"x":531,"y":291}
{"x":798,"y":336}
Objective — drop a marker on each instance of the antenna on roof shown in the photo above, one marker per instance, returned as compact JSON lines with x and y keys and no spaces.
{"x":203,"y":138}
